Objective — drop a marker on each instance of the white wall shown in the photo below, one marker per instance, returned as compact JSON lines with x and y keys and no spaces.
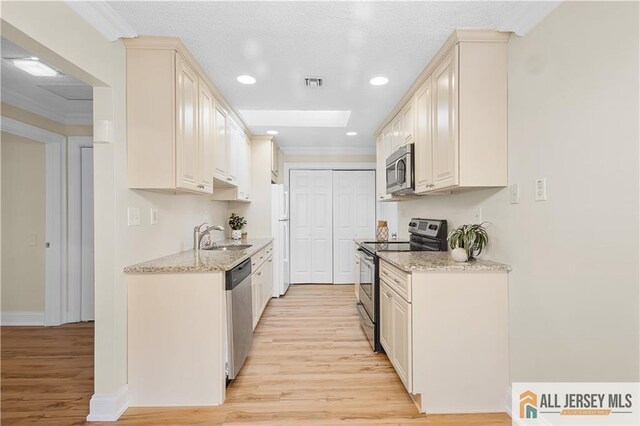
{"x":66,"y":41}
{"x":573,"y":118}
{"x":23,"y":224}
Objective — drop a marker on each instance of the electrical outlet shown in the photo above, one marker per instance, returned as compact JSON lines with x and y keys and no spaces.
{"x":514,"y":194}
{"x":133,"y":216}
{"x":541,"y":189}
{"x":477,"y":215}
{"x":154,"y":216}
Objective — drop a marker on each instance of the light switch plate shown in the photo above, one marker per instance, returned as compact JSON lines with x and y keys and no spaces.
{"x":541,"y":189}
{"x":154,"y":216}
{"x":514,"y":194}
{"x":133,"y":216}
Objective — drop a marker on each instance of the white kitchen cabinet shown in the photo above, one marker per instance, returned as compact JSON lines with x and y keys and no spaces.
{"x":395,"y":331}
{"x":244,"y":180}
{"x":460,"y":115}
{"x":430,"y":323}
{"x":236,"y":188}
{"x":206,"y":139}
{"x":383,"y":145}
{"x":221,"y":169}
{"x":186,"y":126}
{"x":423,"y":145}
{"x":234,"y":139}
{"x":261,"y":281}
{"x":445,"y":130}
{"x":275,"y":161}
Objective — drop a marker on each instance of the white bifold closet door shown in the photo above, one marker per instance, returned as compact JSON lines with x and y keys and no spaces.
{"x":329,"y":209}
{"x":354,"y":216}
{"x":311,"y":226}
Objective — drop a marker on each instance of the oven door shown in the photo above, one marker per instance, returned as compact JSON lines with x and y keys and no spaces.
{"x":367,"y":287}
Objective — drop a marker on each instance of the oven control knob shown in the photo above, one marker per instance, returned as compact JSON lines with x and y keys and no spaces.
{"x":412,"y":224}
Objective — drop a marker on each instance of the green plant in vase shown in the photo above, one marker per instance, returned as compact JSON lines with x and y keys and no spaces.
{"x":236,"y":223}
{"x":470,"y":238}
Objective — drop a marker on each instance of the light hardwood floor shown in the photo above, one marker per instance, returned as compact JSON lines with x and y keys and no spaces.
{"x":309,"y":364}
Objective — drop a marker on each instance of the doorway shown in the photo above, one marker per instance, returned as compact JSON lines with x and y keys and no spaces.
{"x":329,"y":209}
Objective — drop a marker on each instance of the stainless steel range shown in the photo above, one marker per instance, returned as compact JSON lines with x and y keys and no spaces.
{"x":424,"y":235}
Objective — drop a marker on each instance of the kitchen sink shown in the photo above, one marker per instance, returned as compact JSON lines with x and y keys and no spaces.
{"x":229,"y":247}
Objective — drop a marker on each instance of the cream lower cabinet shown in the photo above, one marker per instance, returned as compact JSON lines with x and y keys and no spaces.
{"x":446,"y":335}
{"x":261,"y":281}
{"x":395,"y":332}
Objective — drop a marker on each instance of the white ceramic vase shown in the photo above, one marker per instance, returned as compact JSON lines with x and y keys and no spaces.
{"x":236,"y":234}
{"x":459,"y":254}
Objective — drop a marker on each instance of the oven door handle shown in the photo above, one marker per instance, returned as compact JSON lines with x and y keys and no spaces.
{"x":367,"y":255}
{"x":364,"y":317}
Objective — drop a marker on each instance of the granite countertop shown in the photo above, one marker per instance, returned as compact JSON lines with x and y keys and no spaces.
{"x":202,"y":260}
{"x":438,"y":261}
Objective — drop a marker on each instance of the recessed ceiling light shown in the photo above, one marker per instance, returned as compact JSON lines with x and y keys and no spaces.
{"x":272,"y":132}
{"x":34,"y":67}
{"x":351,"y":133}
{"x":379,"y":81}
{"x":246,"y":79}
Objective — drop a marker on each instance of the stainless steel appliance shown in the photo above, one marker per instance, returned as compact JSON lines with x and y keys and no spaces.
{"x":424,"y":235}
{"x":400,"y":171}
{"x":239,"y":317}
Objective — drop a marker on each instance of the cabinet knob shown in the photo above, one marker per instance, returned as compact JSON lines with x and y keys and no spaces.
{"x":259,"y":273}
{"x":201,"y":186}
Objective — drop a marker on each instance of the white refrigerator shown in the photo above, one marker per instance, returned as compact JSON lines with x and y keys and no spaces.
{"x":280,"y":234}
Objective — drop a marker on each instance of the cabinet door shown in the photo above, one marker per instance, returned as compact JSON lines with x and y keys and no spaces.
{"x":401,"y":338}
{"x":268,"y":280}
{"x":186,"y":126}
{"x":381,"y":189}
{"x":206,"y":138}
{"x":445,"y":121}
{"x":407,"y":123}
{"x":220,"y":146}
{"x":395,"y":134}
{"x":387,"y":144}
{"x":274,"y":158}
{"x":248,"y":167}
{"x":232,"y":151}
{"x":424,"y":137}
{"x":386,"y":319}
{"x":255,"y":298}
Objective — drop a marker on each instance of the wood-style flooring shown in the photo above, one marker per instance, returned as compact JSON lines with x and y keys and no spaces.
{"x":309,"y":364}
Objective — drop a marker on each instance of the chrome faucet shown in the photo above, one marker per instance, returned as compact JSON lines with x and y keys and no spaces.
{"x":198,"y":233}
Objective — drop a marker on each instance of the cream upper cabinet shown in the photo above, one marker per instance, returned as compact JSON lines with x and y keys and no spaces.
{"x":423,"y":144}
{"x":234,"y":133}
{"x":407,"y":120}
{"x":244,"y":169}
{"x":381,"y":170}
{"x":206,"y":139}
{"x":445,"y":130}
{"x":396,"y":137}
{"x":176,"y":121}
{"x":459,"y":115}
{"x":187,"y":126}
{"x":221,"y":168}
{"x":275,"y":160}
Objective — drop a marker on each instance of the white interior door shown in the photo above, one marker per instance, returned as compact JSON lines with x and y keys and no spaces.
{"x":87,"y":274}
{"x":311,"y":226}
{"x":354,"y":216}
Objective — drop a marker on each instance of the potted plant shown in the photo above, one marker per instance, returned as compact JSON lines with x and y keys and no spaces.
{"x":236,"y":223}
{"x":468,"y":241}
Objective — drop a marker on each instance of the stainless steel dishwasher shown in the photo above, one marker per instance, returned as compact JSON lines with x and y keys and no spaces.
{"x":239,"y":316}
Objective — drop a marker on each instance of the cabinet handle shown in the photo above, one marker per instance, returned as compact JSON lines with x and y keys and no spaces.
{"x":201,"y":186}
{"x":259,"y":273}
{"x":270,"y":260}
{"x":397,"y":281}
{"x":229,"y":179}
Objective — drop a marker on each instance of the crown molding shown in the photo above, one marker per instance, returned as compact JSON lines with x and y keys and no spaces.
{"x":101,"y":16}
{"x":28,"y":103}
{"x":528,"y":15}
{"x":326,"y":150}
{"x":28,"y":131}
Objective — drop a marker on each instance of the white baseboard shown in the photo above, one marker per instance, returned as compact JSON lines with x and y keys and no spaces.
{"x":108,"y":407}
{"x":508,"y":402}
{"x":22,"y":318}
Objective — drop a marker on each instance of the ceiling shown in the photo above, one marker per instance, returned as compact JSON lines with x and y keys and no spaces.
{"x":61,"y":98}
{"x":346,"y":43}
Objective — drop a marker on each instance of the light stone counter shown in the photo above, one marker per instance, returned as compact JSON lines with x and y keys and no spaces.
{"x":203,"y":260}
{"x":438,"y":261}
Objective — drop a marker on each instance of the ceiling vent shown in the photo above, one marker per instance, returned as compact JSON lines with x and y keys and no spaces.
{"x":314,"y":82}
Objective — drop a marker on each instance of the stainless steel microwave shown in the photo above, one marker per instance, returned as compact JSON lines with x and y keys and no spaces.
{"x":400,"y":171}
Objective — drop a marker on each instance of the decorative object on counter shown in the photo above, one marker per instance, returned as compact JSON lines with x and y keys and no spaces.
{"x":459,"y":254}
{"x":472,"y":238}
{"x":382,"y":233}
{"x":236,"y":223}
{"x":245,"y":235}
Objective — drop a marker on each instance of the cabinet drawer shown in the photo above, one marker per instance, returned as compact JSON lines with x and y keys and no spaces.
{"x":260,"y":257}
{"x":398,"y":280}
